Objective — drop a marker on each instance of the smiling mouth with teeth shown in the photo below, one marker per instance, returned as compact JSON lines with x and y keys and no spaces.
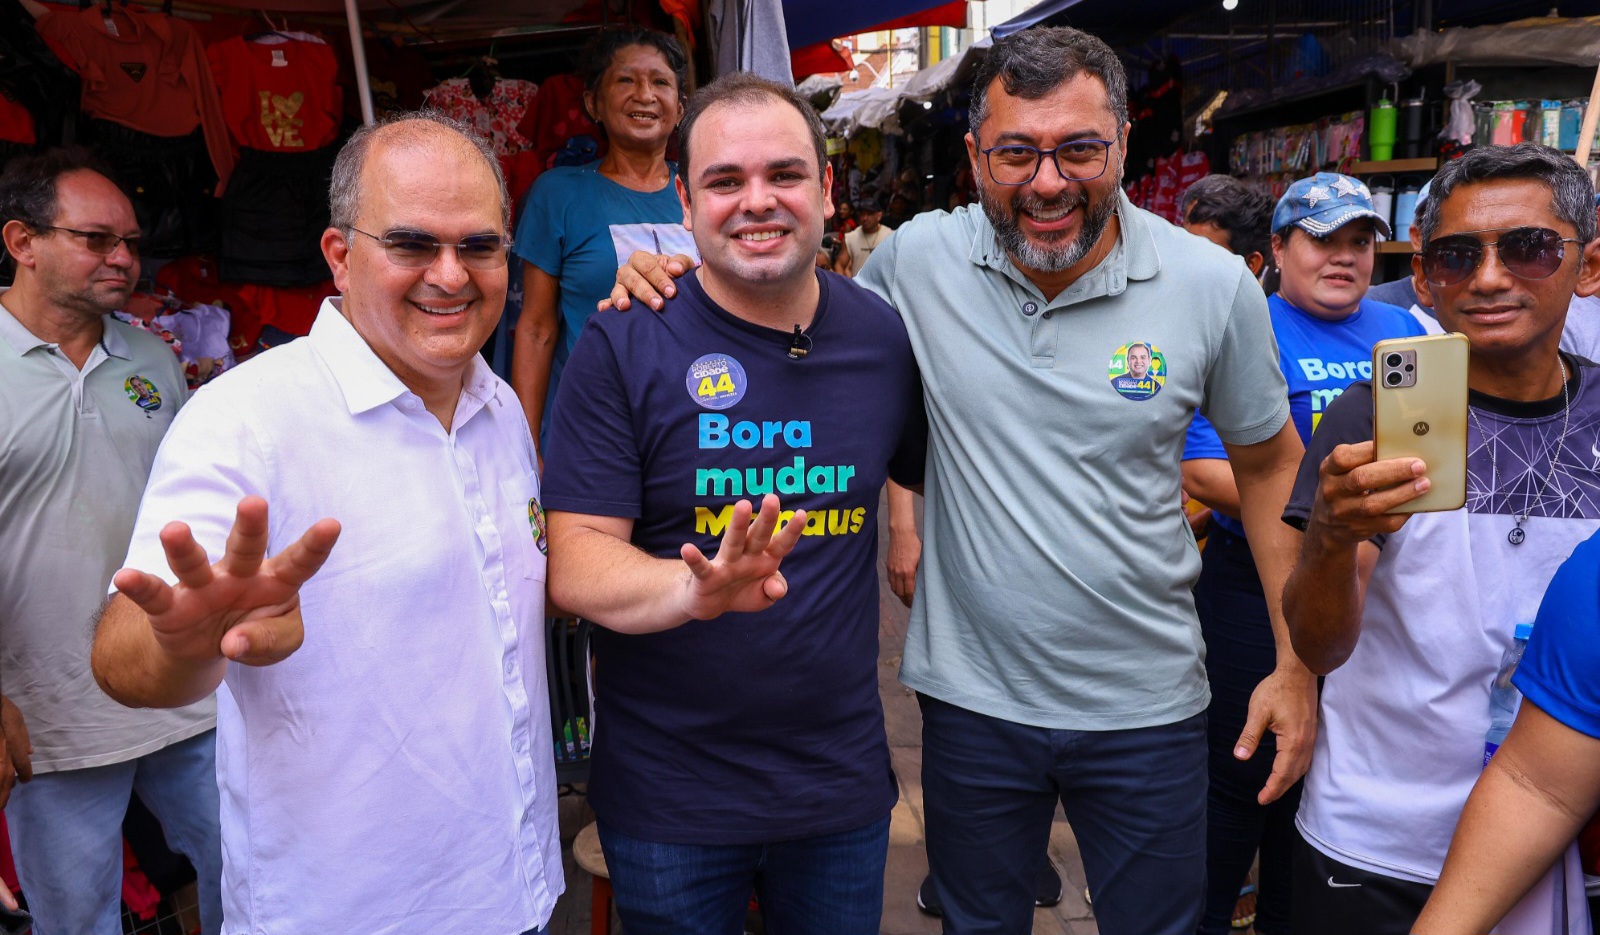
{"x":452,"y":310}
{"x":761,"y":235}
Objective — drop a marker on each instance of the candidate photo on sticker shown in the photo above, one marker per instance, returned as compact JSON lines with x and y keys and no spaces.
{"x":1138,"y":370}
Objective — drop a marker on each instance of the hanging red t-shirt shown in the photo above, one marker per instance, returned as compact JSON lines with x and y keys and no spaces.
{"x":1165,"y":200}
{"x":1193,"y":167}
{"x":146,"y":71}
{"x":16,"y":123}
{"x":278,"y":96}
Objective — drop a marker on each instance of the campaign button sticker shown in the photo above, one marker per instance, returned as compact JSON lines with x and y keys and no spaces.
{"x":716,"y":381}
{"x":1138,"y":370}
{"x":143,"y":393}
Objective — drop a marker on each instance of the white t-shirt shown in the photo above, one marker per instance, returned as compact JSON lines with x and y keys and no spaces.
{"x":1404,"y":719}
{"x":394,"y":775}
{"x":861,"y":244}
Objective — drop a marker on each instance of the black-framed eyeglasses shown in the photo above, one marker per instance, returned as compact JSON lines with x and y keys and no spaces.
{"x":1076,"y":160}
{"x":1526,"y":252}
{"x":417,"y":249}
{"x":101,"y":242}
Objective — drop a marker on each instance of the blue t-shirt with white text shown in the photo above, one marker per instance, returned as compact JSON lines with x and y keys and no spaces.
{"x":751,"y":727}
{"x":1319,"y":359}
{"x":580,"y":227}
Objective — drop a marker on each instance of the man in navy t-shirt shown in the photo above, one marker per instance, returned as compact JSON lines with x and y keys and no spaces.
{"x":740,"y":738}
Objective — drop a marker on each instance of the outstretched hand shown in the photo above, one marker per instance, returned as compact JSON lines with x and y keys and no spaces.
{"x":744,"y":576}
{"x":246,"y":607}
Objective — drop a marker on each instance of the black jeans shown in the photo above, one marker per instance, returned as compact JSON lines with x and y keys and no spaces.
{"x":1239,"y":653}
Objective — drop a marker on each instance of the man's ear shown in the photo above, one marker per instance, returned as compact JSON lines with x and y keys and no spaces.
{"x":336,"y":250}
{"x":683,"y":198}
{"x":19,"y":242}
{"x":1419,"y":282}
{"x":1255,"y":262}
{"x":1589,"y":271}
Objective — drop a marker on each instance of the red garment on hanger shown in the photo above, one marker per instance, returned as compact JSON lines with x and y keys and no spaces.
{"x":278,"y":97}
{"x":150,"y":76}
{"x":16,"y":123}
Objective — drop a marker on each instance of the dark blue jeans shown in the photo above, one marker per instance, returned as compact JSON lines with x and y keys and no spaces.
{"x":827,"y":885}
{"x":1135,"y":799}
{"x":1240,"y":652}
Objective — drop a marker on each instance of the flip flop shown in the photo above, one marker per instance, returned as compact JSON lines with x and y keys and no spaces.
{"x":1243,"y":920}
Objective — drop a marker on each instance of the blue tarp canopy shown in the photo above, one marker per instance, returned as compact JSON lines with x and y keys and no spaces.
{"x":811,"y":21}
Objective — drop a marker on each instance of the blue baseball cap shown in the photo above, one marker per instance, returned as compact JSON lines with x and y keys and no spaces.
{"x":1324,"y":203}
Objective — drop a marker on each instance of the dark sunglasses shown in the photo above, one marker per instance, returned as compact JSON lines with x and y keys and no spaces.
{"x":416,"y":249}
{"x":1528,"y":252}
{"x":101,"y":242}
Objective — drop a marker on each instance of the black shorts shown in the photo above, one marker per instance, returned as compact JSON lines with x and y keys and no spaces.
{"x":1333,"y":898}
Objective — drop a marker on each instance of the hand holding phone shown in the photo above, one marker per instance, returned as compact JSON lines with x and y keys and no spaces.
{"x":1419,"y":410}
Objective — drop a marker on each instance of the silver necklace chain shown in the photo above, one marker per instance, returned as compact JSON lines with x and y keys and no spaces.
{"x":1516,"y":536}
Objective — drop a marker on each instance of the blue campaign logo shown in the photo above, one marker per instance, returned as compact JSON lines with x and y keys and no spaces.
{"x":716,"y":381}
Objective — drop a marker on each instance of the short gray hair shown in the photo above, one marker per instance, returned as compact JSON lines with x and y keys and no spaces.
{"x":1571,"y":192}
{"x":344,"y":192}
{"x":1034,"y":62}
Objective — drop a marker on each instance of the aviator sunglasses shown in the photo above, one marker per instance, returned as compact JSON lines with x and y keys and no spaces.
{"x":1527,"y":252}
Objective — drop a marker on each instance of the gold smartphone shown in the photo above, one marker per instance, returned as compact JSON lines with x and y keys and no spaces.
{"x":1419,"y":410}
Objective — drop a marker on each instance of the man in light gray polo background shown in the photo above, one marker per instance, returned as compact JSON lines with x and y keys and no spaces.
{"x":84,"y":403}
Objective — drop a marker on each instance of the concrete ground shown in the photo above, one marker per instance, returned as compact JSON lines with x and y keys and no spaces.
{"x":908,"y":863}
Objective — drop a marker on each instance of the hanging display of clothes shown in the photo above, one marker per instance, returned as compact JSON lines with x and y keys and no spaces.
{"x":145,"y":71}
{"x":155,"y":117}
{"x":279,"y":93}
{"x":497,"y":115}
{"x":283,"y":107}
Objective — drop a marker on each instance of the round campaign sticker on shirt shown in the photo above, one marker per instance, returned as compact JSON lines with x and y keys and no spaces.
{"x":1138,"y":370}
{"x":143,"y":393}
{"x":541,"y":536}
{"x":716,"y":381}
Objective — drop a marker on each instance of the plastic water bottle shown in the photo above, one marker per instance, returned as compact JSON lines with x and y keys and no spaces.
{"x":1504,"y":699}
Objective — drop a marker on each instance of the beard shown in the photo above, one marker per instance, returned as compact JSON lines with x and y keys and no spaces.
{"x":1051,"y":257}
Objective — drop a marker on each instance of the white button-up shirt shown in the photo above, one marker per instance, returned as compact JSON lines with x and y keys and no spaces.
{"x":395,"y":775}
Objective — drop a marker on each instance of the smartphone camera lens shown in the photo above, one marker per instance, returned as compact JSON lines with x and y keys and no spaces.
{"x":1393,"y":360}
{"x":1392,"y":378}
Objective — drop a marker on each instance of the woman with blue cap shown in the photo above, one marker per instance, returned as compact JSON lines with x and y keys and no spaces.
{"x":1324,"y":241}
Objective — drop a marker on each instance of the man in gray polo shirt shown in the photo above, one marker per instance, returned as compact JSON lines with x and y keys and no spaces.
{"x":84,"y":402}
{"x":1053,"y":641}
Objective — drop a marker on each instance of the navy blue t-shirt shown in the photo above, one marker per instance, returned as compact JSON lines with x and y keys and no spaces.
{"x":760,"y":726}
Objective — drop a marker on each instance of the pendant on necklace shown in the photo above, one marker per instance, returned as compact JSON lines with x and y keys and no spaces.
{"x":1516,"y":535}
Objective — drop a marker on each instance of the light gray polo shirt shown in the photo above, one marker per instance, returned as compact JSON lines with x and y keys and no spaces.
{"x":1057,"y":564}
{"x":77,"y":452}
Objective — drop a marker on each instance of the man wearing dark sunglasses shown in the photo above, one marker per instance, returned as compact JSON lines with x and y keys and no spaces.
{"x":384,"y":725}
{"x":84,"y":402}
{"x":1413,"y":615}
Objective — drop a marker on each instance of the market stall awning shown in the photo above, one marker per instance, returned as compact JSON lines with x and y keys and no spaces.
{"x":1529,"y":42}
{"x":812,"y":21}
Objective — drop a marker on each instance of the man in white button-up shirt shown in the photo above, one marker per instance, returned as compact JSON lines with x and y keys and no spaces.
{"x":384,"y":744}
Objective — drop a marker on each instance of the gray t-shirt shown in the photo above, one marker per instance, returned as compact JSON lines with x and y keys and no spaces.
{"x":1056,"y":571}
{"x":78,"y":449}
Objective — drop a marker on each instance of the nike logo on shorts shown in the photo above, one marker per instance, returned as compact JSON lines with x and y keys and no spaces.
{"x":1341,"y":886}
